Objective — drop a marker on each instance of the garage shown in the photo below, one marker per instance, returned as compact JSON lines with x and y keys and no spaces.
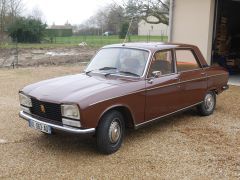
{"x":213,"y":26}
{"x":226,"y":36}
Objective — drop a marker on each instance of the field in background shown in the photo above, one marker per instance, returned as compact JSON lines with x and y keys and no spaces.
{"x":91,"y":41}
{"x":104,"y":40}
{"x":62,"y":50}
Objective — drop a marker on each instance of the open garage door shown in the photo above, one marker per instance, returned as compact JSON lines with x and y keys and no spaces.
{"x":226,"y":37}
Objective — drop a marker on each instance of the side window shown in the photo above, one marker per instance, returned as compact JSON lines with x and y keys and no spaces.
{"x":163,"y":62}
{"x":186,"y":60}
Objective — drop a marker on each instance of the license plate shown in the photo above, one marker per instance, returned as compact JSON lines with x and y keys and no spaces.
{"x":39,"y":126}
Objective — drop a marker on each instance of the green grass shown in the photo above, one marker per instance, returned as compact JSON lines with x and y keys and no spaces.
{"x":104,"y":40}
{"x":92,"y":41}
{"x":35,"y":46}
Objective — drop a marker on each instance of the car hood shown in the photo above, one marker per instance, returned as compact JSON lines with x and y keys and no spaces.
{"x":71,"y":88}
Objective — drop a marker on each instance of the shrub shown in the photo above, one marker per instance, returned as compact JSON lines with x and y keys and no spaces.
{"x":27,"y":30}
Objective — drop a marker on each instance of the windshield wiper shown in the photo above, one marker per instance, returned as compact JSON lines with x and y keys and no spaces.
{"x":101,"y":69}
{"x":130,"y":73}
{"x":107,"y":68}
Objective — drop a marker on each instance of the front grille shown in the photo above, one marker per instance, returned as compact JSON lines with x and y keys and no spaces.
{"x":51,"y":111}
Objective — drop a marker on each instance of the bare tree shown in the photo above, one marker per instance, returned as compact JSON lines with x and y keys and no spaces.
{"x":143,"y":9}
{"x":9,"y":10}
{"x":108,"y":18}
{"x":37,"y":14}
{"x":15,"y":9}
{"x":3,"y":14}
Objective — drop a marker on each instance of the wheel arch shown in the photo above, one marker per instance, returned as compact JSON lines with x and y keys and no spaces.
{"x":125,"y":111}
{"x":213,"y":89}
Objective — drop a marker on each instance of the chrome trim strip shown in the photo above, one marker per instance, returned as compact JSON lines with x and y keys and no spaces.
{"x":217,"y":75}
{"x":172,"y":84}
{"x":62,"y":128}
{"x":180,"y":82}
{"x":149,"y":121}
{"x":197,"y":69}
{"x":201,"y":78}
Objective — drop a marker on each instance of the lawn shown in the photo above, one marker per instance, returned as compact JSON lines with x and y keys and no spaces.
{"x":104,"y":40}
{"x":92,"y":41}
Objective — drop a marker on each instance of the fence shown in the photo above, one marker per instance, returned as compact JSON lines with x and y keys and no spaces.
{"x":62,"y":50}
{"x":98,"y":41}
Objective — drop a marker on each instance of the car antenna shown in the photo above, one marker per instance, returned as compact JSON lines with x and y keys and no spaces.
{"x":130,"y":24}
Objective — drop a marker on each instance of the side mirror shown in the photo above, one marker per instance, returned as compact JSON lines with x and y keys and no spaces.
{"x":156,"y":74}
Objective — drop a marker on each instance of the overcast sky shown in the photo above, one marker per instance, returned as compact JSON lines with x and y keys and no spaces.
{"x":61,"y":11}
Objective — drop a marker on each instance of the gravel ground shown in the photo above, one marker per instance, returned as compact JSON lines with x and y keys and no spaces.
{"x":185,"y":146}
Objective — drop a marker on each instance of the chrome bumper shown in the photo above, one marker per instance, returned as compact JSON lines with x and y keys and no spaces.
{"x":54,"y":126}
{"x":226,"y":87}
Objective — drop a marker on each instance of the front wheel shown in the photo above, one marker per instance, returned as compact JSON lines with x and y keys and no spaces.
{"x":208,"y":105}
{"x":110,"y":132}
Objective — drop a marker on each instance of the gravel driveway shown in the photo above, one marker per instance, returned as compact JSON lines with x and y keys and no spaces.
{"x":185,"y":146}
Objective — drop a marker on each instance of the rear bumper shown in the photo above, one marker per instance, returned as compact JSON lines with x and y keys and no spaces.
{"x":225,"y":87}
{"x":58,"y":127}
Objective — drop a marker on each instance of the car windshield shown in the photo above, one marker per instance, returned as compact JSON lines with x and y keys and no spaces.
{"x":130,"y":62}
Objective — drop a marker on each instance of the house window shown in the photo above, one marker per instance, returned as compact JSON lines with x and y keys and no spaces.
{"x":186,"y":60}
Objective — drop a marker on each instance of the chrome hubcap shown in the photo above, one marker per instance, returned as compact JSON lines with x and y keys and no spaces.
{"x":209,"y":102}
{"x":114,"y":131}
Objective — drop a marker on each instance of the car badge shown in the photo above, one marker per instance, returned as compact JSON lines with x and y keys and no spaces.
{"x":42,"y":108}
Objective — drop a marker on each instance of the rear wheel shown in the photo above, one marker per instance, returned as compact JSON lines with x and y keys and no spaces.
{"x":110,"y":132}
{"x":208,"y":105}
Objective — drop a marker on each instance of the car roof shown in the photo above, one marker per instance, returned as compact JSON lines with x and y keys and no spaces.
{"x":152,"y":46}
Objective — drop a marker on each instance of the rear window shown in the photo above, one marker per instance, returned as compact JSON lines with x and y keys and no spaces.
{"x":186,"y":60}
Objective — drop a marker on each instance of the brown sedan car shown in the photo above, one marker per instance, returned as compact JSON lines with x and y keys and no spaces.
{"x":124,"y":86}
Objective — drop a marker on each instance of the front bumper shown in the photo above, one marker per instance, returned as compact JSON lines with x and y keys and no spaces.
{"x":72,"y":130}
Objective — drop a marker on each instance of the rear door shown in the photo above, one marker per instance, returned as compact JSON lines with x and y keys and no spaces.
{"x":193,"y":79}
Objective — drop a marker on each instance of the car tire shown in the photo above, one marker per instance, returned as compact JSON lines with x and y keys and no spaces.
{"x":208,"y":105}
{"x":110,"y":132}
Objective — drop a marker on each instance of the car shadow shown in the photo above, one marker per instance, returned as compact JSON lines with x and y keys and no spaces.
{"x":61,"y":141}
{"x":165,"y":123}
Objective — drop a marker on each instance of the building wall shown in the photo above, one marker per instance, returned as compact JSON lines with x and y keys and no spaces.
{"x":192,"y":23}
{"x":145,"y":29}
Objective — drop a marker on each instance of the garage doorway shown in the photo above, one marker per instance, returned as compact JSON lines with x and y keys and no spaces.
{"x":226,"y":38}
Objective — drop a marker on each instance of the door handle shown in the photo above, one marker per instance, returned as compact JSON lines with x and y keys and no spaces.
{"x":178,"y":83}
{"x":150,"y":81}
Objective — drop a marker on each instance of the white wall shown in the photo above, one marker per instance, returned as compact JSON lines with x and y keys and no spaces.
{"x":192,"y":23}
{"x":145,"y":29}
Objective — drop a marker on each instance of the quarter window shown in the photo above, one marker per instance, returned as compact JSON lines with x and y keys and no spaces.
{"x":186,"y":60}
{"x":162,"y":62}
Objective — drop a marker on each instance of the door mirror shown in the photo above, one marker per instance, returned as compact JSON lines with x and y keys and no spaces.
{"x":156,"y":74}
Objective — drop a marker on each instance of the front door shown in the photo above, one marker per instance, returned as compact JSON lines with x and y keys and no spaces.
{"x":162,"y":86}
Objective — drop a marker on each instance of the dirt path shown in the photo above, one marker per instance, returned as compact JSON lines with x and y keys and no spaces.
{"x":185,"y":146}
{"x":44,"y":57}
